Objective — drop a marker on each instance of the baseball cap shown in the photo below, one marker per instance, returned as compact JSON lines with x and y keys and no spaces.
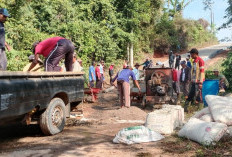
{"x":183,"y":62}
{"x":32,"y":57}
{"x":4,"y":12}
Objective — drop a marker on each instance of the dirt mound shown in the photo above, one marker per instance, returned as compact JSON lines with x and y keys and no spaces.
{"x":132,"y":113}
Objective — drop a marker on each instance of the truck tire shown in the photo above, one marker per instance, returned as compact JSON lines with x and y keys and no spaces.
{"x":52,"y":120}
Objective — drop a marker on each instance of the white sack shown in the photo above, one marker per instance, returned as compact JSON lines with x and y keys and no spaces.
{"x":178,"y":114}
{"x":220,"y":108}
{"x":203,"y":132}
{"x":136,"y":134}
{"x":201,"y":113}
{"x":207,"y":118}
{"x":160,"y":121}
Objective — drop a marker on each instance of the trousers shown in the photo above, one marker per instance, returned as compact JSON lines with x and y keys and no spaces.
{"x":3,"y":60}
{"x":124,"y":93}
{"x":64,"y":49}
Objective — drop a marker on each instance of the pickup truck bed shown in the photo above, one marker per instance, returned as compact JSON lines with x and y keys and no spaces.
{"x":22,"y":94}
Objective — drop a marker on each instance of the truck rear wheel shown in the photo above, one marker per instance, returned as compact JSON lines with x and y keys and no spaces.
{"x":52,"y":120}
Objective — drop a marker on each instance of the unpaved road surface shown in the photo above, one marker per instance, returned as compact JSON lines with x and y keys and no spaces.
{"x":90,"y":137}
{"x":93,"y":135}
{"x":206,"y":53}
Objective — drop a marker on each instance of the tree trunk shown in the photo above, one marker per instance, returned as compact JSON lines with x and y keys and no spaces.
{"x":131,"y":55}
{"x":128,"y":51}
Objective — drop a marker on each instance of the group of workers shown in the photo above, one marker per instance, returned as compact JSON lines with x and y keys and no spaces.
{"x":190,"y":78}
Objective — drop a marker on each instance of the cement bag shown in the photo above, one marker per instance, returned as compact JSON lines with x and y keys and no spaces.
{"x":201,"y":113}
{"x":206,"y":133}
{"x":160,"y":121}
{"x":178,"y":114}
{"x":221,"y":108}
{"x":207,"y":118}
{"x":136,"y":134}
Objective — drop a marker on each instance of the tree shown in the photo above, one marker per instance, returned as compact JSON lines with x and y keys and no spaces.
{"x":177,"y":6}
{"x":209,"y":6}
{"x":228,"y":16}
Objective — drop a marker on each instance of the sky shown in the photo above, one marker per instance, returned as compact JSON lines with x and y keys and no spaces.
{"x":195,"y":10}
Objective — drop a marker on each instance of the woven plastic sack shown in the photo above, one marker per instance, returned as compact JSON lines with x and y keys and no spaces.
{"x":161,"y":121}
{"x":178,"y":116}
{"x":201,"y":113}
{"x":207,"y":118}
{"x":220,"y":108}
{"x":136,"y":134}
{"x":205,"y":133}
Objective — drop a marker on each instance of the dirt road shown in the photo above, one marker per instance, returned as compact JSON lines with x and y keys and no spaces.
{"x":207,"y":53}
{"x":92,"y":136}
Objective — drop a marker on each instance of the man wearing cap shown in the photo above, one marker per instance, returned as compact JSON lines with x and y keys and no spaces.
{"x":223,"y":82}
{"x":185,"y":78}
{"x":197,"y":79}
{"x":54,"y":49}
{"x":136,"y":71}
{"x":123,"y":78}
{"x":146,"y":64}
{"x":3,"y":60}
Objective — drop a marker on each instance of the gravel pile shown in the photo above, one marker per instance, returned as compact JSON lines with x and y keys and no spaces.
{"x":132,"y":113}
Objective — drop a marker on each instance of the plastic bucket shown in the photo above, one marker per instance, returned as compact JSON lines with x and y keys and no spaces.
{"x":210,"y":87}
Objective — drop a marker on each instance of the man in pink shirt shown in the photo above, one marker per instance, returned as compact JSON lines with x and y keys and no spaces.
{"x":54,"y":49}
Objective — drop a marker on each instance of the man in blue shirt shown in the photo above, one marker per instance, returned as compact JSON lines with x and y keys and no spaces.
{"x":123,"y":78}
{"x":146,"y":63}
{"x":92,"y":75}
{"x":3,"y":60}
{"x":136,"y":71}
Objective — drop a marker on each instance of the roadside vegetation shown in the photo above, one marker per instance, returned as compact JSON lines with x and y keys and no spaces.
{"x":103,"y":29}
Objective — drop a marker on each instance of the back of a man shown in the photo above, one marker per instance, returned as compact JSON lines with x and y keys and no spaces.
{"x":3,"y":59}
{"x":123,"y":78}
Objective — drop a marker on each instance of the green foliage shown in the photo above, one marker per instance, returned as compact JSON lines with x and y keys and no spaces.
{"x":181,"y":33}
{"x":17,"y":60}
{"x":100,"y":29}
{"x":227,"y":64}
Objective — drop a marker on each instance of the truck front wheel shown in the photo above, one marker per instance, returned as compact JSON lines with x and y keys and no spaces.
{"x":52,"y":120}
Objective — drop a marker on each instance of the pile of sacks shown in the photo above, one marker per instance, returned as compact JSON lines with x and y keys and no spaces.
{"x":165,"y":120}
{"x":162,"y":121}
{"x":210,"y":124}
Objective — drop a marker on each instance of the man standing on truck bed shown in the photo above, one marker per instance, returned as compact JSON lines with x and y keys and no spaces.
{"x":3,"y":60}
{"x":54,"y":49}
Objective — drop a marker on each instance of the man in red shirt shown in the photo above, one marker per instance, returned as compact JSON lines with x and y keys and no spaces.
{"x":54,"y":49}
{"x":197,"y":79}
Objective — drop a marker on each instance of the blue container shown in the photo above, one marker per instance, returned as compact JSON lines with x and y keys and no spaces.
{"x":210,"y":87}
